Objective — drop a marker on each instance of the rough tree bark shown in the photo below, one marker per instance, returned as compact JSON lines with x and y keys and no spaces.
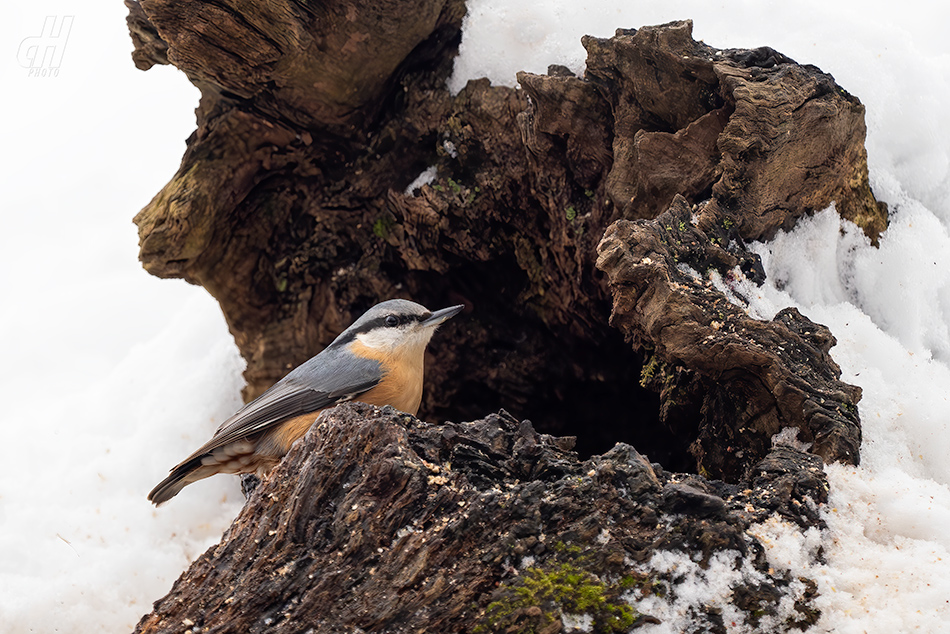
{"x":376,"y":522}
{"x":594,"y":227}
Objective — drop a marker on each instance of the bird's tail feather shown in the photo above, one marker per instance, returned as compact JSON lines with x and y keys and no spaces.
{"x":180,"y":477}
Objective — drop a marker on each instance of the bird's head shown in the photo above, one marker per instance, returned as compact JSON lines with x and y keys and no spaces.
{"x":397,"y":326}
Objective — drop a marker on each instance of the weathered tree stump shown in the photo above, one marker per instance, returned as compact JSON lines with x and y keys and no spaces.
{"x":583,"y":221}
{"x":295,"y":217}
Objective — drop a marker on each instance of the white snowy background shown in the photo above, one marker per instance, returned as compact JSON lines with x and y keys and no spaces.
{"x":110,"y":376}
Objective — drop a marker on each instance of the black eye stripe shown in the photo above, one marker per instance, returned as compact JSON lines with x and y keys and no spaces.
{"x":379,"y":322}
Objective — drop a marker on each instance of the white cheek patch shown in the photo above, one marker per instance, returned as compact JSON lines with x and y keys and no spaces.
{"x":389,"y":339}
{"x":381,"y":338}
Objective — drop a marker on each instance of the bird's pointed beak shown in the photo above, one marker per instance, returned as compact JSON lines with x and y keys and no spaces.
{"x":441,"y":316}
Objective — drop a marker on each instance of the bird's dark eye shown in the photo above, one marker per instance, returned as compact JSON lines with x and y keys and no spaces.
{"x":392,"y":320}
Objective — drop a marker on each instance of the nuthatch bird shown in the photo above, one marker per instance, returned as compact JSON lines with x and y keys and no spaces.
{"x":377,"y":360}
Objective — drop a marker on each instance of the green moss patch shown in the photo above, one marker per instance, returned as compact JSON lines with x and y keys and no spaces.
{"x":542,"y":594}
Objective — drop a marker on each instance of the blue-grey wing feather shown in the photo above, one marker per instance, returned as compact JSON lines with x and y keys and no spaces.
{"x":326,"y":379}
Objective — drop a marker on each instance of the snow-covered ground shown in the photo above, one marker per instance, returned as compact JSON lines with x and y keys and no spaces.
{"x":109,"y":375}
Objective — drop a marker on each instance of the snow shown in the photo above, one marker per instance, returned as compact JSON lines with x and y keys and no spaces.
{"x":698,"y":588}
{"x":110,"y":376}
{"x":887,"y":548}
{"x":576,"y":622}
{"x":424,"y":178}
